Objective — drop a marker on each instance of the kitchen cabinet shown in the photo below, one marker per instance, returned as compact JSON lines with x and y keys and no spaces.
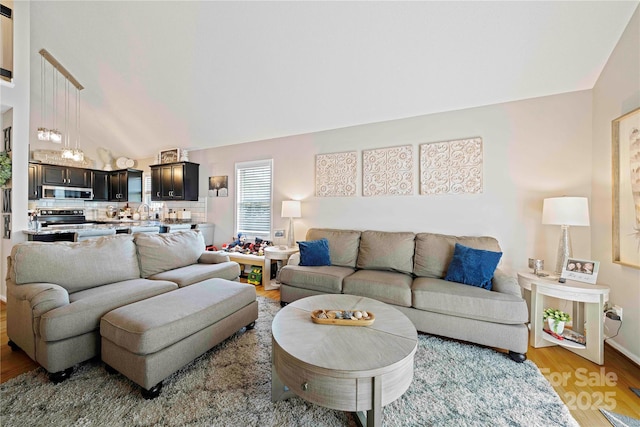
{"x":175,"y":181}
{"x":125,"y":185}
{"x":35,"y":184}
{"x":101,"y":186}
{"x":65,"y":176}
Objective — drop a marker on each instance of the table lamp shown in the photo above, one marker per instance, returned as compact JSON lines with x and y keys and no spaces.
{"x":565,"y":211}
{"x":291,"y":209}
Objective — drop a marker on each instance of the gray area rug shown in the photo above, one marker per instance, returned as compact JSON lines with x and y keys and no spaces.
{"x":619,"y":420}
{"x":454,"y":384}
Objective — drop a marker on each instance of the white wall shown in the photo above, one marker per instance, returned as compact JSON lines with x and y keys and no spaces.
{"x":17,"y":98}
{"x":533,"y":149}
{"x":616,"y":92}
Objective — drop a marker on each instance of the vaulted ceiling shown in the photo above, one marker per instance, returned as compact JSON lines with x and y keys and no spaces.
{"x":203,"y":74}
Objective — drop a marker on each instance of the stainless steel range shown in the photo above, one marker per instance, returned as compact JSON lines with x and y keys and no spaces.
{"x":58,"y":217}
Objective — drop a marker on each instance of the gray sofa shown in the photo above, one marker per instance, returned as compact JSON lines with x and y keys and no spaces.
{"x":58,"y":292}
{"x":407,"y":270}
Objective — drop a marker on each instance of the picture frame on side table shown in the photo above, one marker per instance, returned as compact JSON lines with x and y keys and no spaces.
{"x":170,"y":156}
{"x":581,"y":270}
{"x":625,"y":152}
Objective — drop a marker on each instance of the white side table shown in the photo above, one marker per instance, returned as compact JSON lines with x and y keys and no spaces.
{"x":592,"y":296}
{"x":278,"y":254}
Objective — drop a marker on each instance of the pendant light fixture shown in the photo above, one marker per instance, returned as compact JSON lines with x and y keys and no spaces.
{"x":78,"y":155}
{"x":67,"y":153}
{"x":43,"y":132}
{"x":54,"y":135}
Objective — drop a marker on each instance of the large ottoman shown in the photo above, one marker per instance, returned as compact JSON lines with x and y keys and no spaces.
{"x":149,"y":340}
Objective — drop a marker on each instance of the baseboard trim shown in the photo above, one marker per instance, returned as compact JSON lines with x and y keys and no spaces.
{"x":3,"y":299}
{"x":632,"y":357}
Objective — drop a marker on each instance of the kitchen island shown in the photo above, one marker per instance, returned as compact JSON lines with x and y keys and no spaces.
{"x":72,"y":232}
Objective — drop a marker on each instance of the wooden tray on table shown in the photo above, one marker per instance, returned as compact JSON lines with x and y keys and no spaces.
{"x":337,"y":317}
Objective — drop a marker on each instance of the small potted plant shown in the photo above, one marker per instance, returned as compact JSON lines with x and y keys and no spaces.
{"x":5,"y":168}
{"x":556,"y":319}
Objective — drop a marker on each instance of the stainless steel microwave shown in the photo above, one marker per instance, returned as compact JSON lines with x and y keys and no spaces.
{"x":54,"y":192}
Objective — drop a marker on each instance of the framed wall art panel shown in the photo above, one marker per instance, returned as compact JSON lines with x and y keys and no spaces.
{"x":336,"y":174}
{"x":451,"y":167}
{"x":625,"y":151}
{"x":388,"y":171}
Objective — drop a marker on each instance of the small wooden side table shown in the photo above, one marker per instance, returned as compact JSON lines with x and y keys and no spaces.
{"x":592,"y":296}
{"x":278,"y":254}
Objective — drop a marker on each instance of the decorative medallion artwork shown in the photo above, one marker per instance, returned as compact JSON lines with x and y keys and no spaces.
{"x":451,"y":167}
{"x":336,"y":174}
{"x":387,"y":171}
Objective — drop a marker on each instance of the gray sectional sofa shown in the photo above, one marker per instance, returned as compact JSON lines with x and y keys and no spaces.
{"x":58,"y":292}
{"x":407,"y":270}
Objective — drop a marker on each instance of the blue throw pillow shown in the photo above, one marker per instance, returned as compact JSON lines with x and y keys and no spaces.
{"x":473,"y":267}
{"x":314,"y":253}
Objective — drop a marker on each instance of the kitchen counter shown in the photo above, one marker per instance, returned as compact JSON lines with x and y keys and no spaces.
{"x":121,"y":226}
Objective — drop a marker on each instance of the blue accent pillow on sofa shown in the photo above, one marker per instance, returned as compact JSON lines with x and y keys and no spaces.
{"x":473,"y":267}
{"x":314,"y":253}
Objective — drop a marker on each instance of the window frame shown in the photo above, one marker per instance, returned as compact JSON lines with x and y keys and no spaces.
{"x":249,"y":233}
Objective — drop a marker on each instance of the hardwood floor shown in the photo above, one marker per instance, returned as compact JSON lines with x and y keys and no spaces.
{"x":582,"y":385}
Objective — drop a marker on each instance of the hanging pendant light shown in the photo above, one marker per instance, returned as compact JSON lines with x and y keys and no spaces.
{"x":54,"y":133}
{"x":43,"y":132}
{"x":67,"y":152}
{"x":78,"y":155}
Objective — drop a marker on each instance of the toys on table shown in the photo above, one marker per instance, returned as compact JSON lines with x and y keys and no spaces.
{"x":240,"y":245}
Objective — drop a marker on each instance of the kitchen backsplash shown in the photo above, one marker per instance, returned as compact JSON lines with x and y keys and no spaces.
{"x":97,"y":210}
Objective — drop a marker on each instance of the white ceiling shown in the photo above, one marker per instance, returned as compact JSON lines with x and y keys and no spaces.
{"x":202,"y":74}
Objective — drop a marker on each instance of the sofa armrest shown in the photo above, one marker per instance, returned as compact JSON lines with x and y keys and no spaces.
{"x":294,"y":259}
{"x":505,"y":284}
{"x":42,"y":297}
{"x":213,"y":258}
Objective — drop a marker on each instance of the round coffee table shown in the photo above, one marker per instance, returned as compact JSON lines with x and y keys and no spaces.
{"x":347,"y":368}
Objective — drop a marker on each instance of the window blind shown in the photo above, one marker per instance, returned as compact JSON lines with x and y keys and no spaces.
{"x":253,"y":198}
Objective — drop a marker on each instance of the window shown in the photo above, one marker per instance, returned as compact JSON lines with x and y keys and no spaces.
{"x":253,"y":198}
{"x":146,"y":189}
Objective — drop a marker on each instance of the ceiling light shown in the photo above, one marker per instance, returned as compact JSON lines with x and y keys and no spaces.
{"x":54,"y":135}
{"x":43,"y":132}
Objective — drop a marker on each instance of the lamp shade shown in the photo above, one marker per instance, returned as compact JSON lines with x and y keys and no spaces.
{"x":566,"y":211}
{"x":291,"y":209}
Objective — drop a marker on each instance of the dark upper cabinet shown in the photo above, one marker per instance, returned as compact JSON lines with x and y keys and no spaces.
{"x":65,"y":176}
{"x":175,"y":181}
{"x":125,"y":185}
{"x":35,"y":184}
{"x":101,"y":186}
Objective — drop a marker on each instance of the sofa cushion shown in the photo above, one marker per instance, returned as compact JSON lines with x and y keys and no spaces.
{"x":193,"y":273}
{"x":166,"y":251}
{"x":381,"y":250}
{"x":385,"y":286}
{"x":86,"y":307}
{"x":343,"y":245}
{"x":87,"y":264}
{"x":324,"y":279}
{"x":435,"y":251}
{"x":314,"y":253}
{"x":473,"y":267}
{"x":457,"y":299}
